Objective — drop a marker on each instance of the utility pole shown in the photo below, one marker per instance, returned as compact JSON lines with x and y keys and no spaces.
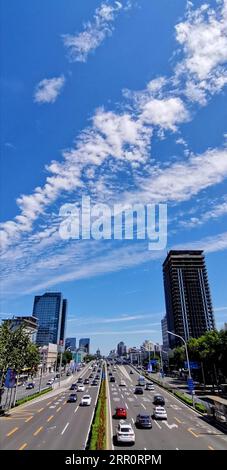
{"x":60,"y":369}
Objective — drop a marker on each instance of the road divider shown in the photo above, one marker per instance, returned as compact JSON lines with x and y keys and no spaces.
{"x":97,"y":436}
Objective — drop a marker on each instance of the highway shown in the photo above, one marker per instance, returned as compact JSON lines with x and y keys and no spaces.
{"x":183,"y":430}
{"x":51,"y":422}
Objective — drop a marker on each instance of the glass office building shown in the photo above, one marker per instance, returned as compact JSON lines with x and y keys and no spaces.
{"x":70,"y":343}
{"x":51,"y":310}
{"x":84,"y":344}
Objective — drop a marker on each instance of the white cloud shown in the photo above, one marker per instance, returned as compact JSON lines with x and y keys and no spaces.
{"x":80,"y":45}
{"x":215,"y":212}
{"x":165,"y":113}
{"x":203,"y":38}
{"x":49,"y":89}
{"x":182,"y":180}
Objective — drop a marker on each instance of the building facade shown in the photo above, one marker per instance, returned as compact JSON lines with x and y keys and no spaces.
{"x":189,"y":311}
{"x":84,"y":344}
{"x":29,"y":323}
{"x":48,"y":357}
{"x":50,"y":309}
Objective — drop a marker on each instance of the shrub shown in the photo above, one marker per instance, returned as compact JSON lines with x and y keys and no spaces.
{"x":31,"y":397}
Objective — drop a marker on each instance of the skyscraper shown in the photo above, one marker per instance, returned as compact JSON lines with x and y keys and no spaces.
{"x":70,"y":343}
{"x":121,"y":349}
{"x":189,"y":311}
{"x":50,"y":310}
{"x":165,"y":336}
{"x":63,"y":321}
{"x":84,"y":343}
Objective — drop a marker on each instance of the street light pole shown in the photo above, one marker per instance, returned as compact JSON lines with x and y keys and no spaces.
{"x":186,"y":351}
{"x":187,"y":357}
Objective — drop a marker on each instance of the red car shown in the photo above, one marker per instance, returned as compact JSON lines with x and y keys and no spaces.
{"x":121,"y":413}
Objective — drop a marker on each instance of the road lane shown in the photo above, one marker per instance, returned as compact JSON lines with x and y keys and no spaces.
{"x":40,"y":427}
{"x":184,"y":429}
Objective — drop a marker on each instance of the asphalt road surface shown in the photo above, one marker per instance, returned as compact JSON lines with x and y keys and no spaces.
{"x":50,"y":423}
{"x":184,"y":429}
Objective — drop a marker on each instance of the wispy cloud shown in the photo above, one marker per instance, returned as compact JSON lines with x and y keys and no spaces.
{"x":80,"y":45}
{"x":49,"y":89}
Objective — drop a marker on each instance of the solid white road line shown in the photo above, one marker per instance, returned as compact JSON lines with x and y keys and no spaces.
{"x":157,"y":424}
{"x":65,"y":428}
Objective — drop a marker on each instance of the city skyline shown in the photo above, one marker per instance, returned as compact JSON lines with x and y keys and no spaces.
{"x":119,"y":120}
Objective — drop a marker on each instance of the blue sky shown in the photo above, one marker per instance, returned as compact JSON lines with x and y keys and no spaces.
{"x":125,"y":102}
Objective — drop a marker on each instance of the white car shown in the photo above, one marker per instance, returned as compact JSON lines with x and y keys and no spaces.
{"x":160,"y":412}
{"x":122,"y":383}
{"x":125,"y":433}
{"x":86,"y":400}
{"x":80,"y":388}
{"x":149,"y":386}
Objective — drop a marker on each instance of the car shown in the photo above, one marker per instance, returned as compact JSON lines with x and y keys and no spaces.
{"x":86,"y":400}
{"x":159,"y":400}
{"x":91,"y":376}
{"x":112,"y":379}
{"x":122,"y":383}
{"x":80,"y":388}
{"x":57,"y":376}
{"x":114,"y":369}
{"x":72,"y":398}
{"x":110,"y":373}
{"x":149,"y":386}
{"x":160,"y":412}
{"x":68,"y":373}
{"x":143,"y":420}
{"x":125,"y":433}
{"x":86,"y":381}
{"x":121,"y":412}
{"x":80,"y":381}
{"x":94,"y":382}
{"x":30,"y":385}
{"x":50,"y":382}
{"x":90,"y":367}
{"x":131,"y":372}
{"x":73,"y":387}
{"x":138,"y":391}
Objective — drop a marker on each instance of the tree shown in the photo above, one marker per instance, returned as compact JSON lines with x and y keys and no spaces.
{"x":16,"y":350}
{"x":66,"y":358}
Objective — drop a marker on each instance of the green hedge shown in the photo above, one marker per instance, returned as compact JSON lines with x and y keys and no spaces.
{"x":98,"y":429}
{"x":31,"y":397}
{"x":200,"y":407}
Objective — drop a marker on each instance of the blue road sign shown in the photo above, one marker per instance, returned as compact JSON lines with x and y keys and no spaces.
{"x":190,"y":384}
{"x":10,"y":379}
{"x":193,"y":365}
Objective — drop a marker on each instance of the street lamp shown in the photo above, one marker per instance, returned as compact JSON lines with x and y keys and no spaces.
{"x":186,"y":350}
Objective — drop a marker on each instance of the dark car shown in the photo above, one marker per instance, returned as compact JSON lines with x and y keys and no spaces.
{"x":80,"y":381}
{"x":72,"y":398}
{"x":131,"y":371}
{"x":144,"y":420}
{"x":73,"y":387}
{"x":110,"y":373}
{"x":112,"y":379}
{"x":30,"y":385}
{"x":138,"y":391}
{"x":94,"y":382}
{"x":91,"y":376}
{"x":86,"y":381}
{"x":159,"y":400}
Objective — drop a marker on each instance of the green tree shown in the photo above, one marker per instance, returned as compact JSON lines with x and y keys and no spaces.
{"x":16,"y":350}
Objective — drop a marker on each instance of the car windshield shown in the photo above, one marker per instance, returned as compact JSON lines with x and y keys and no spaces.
{"x":86,"y":397}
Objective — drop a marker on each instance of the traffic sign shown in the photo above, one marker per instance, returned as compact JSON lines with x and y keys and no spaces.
{"x":190,"y":384}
